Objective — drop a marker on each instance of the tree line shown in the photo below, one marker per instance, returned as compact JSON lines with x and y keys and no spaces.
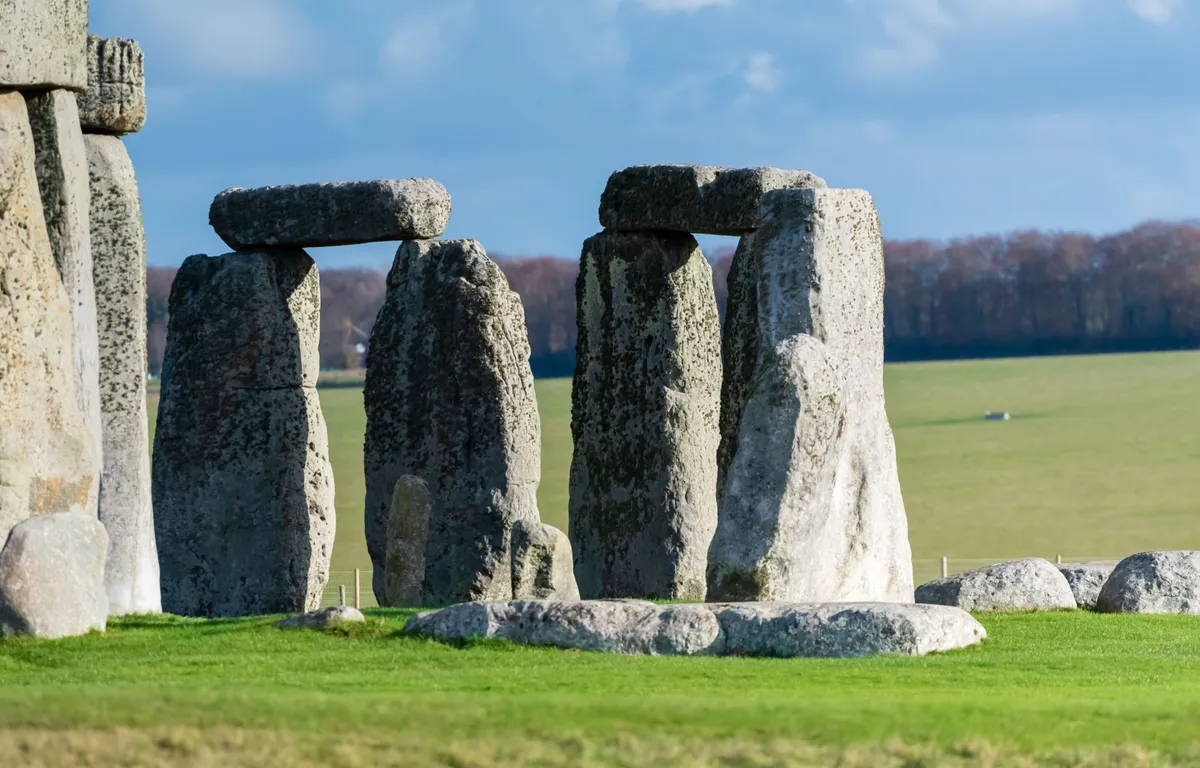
{"x":1024,"y":293}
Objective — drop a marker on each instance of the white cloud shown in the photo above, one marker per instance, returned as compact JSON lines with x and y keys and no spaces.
{"x":687,"y":6}
{"x":761,"y":74}
{"x":1157,"y":11}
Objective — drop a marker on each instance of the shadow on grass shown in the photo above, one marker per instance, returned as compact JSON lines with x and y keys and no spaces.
{"x":960,"y":420}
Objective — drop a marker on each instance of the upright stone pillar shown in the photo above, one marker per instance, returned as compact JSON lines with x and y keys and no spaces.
{"x":739,"y":351}
{"x":450,"y":401}
{"x":47,"y":455}
{"x":243,"y":489}
{"x":114,"y":104}
{"x":644,"y":417}
{"x":62,"y":171}
{"x":811,"y":510}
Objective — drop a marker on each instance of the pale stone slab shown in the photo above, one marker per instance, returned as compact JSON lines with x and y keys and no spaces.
{"x":43,"y":43}
{"x":52,"y":576}
{"x":119,"y":275}
{"x":542,"y":566}
{"x":47,"y":455}
{"x":62,"y":171}
{"x":115,"y":99}
{"x":644,"y":417}
{"x":407,"y":537}
{"x":243,"y":489}
{"x":449,"y":399}
{"x":831,"y":630}
{"x":330,"y":213}
{"x":1087,"y":579}
{"x":323,"y":619}
{"x":693,"y":198}
{"x":1031,"y":584}
{"x":811,"y":509}
{"x":1153,"y":582}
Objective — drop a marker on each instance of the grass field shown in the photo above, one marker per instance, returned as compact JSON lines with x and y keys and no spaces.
{"x":1081,"y":688}
{"x":1101,"y":458}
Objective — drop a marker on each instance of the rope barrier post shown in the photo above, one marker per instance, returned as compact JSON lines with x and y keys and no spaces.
{"x":945,"y":566}
{"x":357,"y":590}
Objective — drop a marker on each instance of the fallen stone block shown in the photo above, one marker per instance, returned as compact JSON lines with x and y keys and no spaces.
{"x":693,"y":198}
{"x":47,"y":453}
{"x":542,"y":565}
{"x":833,"y":630}
{"x":811,"y":508}
{"x":449,"y":400}
{"x":1032,"y":584}
{"x":119,"y":276}
{"x":323,"y":619}
{"x":243,"y":490}
{"x":644,"y":417}
{"x":1086,"y":580}
{"x":52,"y":577}
{"x":1153,"y":582}
{"x":115,"y":99}
{"x":330,"y":213}
{"x":43,"y":43}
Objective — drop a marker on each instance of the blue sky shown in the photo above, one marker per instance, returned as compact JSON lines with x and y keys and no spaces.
{"x":960,"y":116}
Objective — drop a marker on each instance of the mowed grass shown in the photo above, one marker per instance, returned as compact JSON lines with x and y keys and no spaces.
{"x":1101,"y":458}
{"x":1077,"y":687}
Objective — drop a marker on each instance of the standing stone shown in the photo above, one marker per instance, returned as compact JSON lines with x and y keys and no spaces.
{"x":449,"y":399}
{"x":243,"y":489}
{"x":407,"y":536}
{"x":739,"y":351}
{"x":115,"y":99}
{"x":47,"y":457}
{"x":644,"y":417}
{"x":62,"y":171}
{"x":52,"y":576}
{"x":811,"y":509}
{"x":42,"y":44}
{"x":542,"y":563}
{"x":119,"y":274}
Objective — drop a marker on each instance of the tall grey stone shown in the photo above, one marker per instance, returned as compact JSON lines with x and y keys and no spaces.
{"x":449,"y":399}
{"x":644,"y":417}
{"x":62,"y":171}
{"x":119,"y":275}
{"x":542,"y":565}
{"x":115,"y":99}
{"x":811,"y":509}
{"x":52,"y":576}
{"x":1153,"y":582}
{"x":407,"y":536}
{"x":47,"y":457}
{"x":330,"y":213}
{"x":693,"y":198}
{"x":42,"y":44}
{"x":243,"y":490}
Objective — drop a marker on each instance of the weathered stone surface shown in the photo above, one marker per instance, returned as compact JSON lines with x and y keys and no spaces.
{"x":47,"y":458}
{"x":243,"y":489}
{"x":407,"y":537}
{"x":693,"y":198}
{"x":739,"y":351}
{"x":1032,"y":584}
{"x":644,"y":417}
{"x":323,"y":619}
{"x":1153,"y":582}
{"x":1086,"y":580}
{"x":115,"y":99}
{"x":330,"y":213}
{"x":42,"y":44}
{"x":833,"y":630}
{"x":542,"y":565}
{"x":52,"y":576}
{"x":62,"y":171}
{"x":811,"y":509}
{"x":119,"y":275}
{"x":449,"y":399}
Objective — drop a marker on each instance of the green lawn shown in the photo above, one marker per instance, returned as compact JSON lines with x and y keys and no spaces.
{"x":1076,"y":684}
{"x":1100,"y":460}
